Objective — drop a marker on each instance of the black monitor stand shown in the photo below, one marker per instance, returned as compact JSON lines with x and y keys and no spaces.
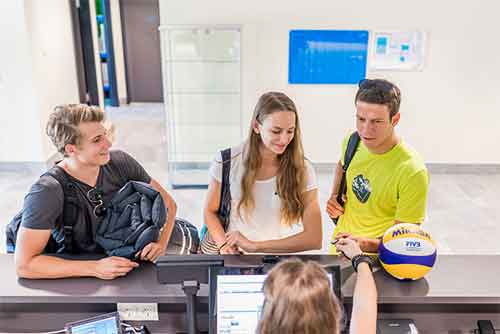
{"x":190,"y":271}
{"x":191,"y":289}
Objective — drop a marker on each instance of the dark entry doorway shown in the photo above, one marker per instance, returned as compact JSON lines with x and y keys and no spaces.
{"x":141,"y":39}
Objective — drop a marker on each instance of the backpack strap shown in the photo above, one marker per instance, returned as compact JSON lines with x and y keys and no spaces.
{"x":207,"y":244}
{"x":351,"y":148}
{"x":352,"y":145}
{"x":71,"y":206}
{"x":225,"y":193}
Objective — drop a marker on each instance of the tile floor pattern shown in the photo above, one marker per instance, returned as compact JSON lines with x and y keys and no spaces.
{"x":463,"y":209}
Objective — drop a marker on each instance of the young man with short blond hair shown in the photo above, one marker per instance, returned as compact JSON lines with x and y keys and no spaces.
{"x":78,"y":133}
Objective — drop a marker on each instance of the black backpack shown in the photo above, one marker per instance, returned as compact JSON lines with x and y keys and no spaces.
{"x":59,"y":242}
{"x":184,"y":238}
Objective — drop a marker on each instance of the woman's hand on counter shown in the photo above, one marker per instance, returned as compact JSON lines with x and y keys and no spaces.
{"x":236,"y":239}
{"x":348,"y":247}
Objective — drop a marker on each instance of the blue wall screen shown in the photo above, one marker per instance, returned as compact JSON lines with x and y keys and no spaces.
{"x":327,"y":56}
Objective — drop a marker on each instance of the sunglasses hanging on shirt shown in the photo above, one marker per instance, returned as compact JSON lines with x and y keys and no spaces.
{"x":94,"y":195}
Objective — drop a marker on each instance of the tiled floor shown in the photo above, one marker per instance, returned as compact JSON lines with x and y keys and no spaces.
{"x":463,"y":209}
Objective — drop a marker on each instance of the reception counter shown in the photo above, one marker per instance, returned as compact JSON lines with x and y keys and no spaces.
{"x":460,"y":290}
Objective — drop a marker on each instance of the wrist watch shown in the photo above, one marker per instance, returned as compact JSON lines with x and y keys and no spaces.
{"x":357,"y":259}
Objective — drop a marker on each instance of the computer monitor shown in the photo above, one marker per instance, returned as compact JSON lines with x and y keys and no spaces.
{"x":174,"y":269}
{"x":103,"y":324}
{"x":236,"y":297}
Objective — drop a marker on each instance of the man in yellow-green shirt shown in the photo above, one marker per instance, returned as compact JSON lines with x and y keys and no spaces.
{"x":387,"y":181}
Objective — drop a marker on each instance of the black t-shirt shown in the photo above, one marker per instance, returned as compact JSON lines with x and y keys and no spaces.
{"x":44,"y":202}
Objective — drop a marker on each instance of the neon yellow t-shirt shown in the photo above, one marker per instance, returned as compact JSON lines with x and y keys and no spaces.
{"x":381,"y":189}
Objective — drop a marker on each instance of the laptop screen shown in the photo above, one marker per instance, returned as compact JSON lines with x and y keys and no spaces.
{"x":105,"y":324}
{"x":239,"y":302}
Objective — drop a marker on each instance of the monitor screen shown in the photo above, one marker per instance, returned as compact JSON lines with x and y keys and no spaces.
{"x":239,"y":300}
{"x":105,"y":324}
{"x":239,"y":303}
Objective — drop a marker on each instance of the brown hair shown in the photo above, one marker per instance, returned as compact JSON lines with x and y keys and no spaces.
{"x":291,"y":178}
{"x":62,"y":126}
{"x":380,"y":91}
{"x":299,"y":299}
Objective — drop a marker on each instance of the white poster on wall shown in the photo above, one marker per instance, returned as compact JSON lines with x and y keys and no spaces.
{"x":397,"y":50}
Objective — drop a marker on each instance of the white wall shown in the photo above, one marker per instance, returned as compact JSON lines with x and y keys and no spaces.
{"x":116,"y":27}
{"x":450,"y":110}
{"x":20,"y":138}
{"x":53,"y":57}
{"x":37,"y":72}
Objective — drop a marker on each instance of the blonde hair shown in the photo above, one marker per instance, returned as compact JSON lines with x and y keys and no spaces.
{"x":62,"y":126}
{"x":299,"y":299}
{"x":291,"y":178}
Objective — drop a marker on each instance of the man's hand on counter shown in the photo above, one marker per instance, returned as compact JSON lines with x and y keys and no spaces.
{"x":113,"y":267}
{"x":366,"y":244}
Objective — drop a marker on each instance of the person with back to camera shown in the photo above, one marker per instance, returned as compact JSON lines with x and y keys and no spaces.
{"x":274,"y":195}
{"x":387,"y":181}
{"x":299,"y":297}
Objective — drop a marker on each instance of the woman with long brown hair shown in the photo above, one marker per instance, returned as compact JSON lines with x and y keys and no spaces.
{"x":299,"y":298}
{"x":274,"y":196}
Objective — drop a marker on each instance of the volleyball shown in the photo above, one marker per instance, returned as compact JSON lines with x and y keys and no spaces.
{"x":407,"y":252}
